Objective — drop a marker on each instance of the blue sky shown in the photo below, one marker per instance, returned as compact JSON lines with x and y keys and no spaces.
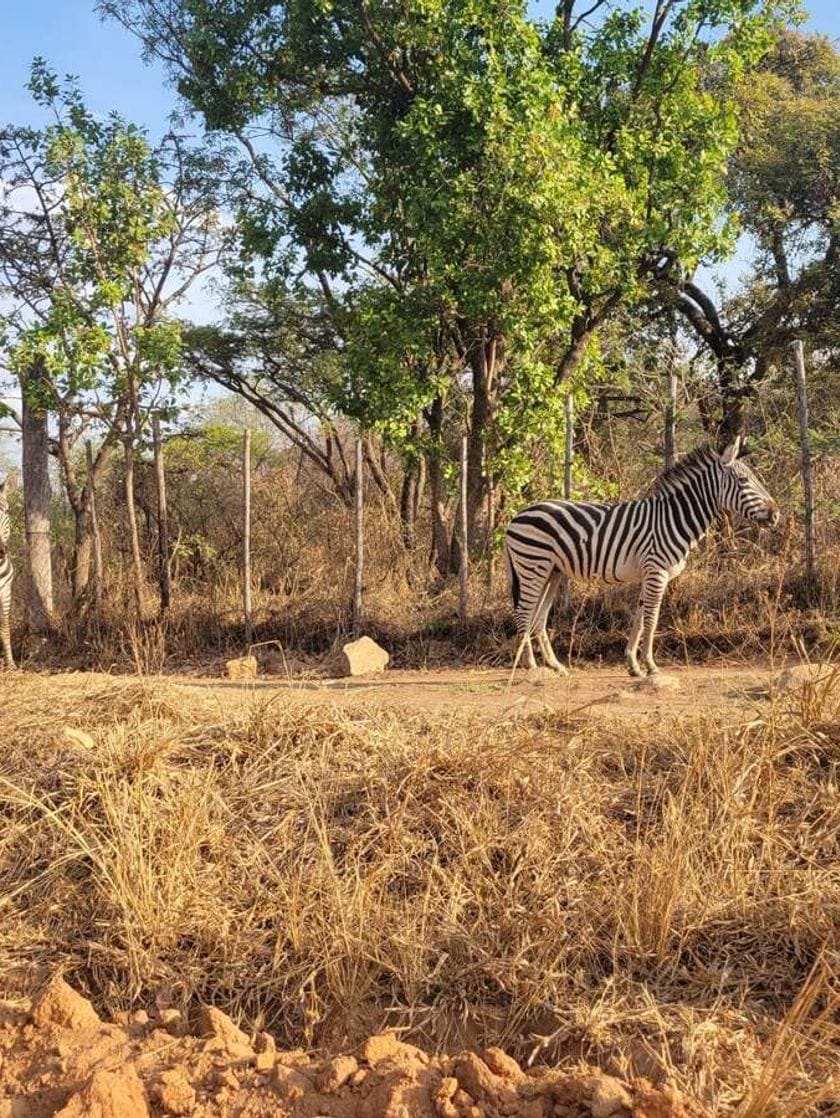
{"x":70,"y":35}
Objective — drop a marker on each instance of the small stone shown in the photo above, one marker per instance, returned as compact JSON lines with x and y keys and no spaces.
{"x":217,"y":1025}
{"x":265,"y":1060}
{"x":361,"y":657}
{"x":540,"y":675}
{"x":175,"y":1093}
{"x":265,"y":1043}
{"x":226,"y":1078}
{"x":609,"y":1097}
{"x":242,"y":668}
{"x":60,"y":1005}
{"x":173,"y":1021}
{"x":336,"y":1073}
{"x":502,"y":1064}
{"x":656,"y":683}
{"x":75,"y":738}
{"x":117,"y":1093}
{"x":291,"y":1084}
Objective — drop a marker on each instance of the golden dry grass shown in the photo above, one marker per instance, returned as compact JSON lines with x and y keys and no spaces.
{"x":658,"y":897}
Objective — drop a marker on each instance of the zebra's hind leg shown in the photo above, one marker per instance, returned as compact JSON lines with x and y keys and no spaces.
{"x":540,"y":622}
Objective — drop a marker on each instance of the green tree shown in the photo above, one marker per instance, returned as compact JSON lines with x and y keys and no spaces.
{"x":101,"y":236}
{"x":785,"y":191}
{"x":472,"y":193}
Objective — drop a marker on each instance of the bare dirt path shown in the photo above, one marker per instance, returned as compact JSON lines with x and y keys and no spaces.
{"x":490,"y":693}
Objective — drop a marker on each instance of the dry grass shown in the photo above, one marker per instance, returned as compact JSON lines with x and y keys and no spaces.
{"x":658,"y":897}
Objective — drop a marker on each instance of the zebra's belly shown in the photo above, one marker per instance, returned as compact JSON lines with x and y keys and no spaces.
{"x":626,"y":569}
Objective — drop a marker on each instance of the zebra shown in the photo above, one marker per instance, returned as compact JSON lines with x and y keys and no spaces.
{"x":645,"y":541}
{"x":6,"y":572}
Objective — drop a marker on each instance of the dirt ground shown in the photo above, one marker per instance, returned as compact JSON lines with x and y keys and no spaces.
{"x":494,"y":694}
{"x":59,"y":1060}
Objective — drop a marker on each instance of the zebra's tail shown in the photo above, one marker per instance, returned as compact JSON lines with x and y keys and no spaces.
{"x":513,"y":577}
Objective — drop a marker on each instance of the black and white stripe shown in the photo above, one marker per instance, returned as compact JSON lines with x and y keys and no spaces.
{"x":646,"y":541}
{"x":6,"y":575}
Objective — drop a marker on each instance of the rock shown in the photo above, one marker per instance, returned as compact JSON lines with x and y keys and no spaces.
{"x":173,"y":1021}
{"x":59,"y":1005}
{"x":291,"y":1084}
{"x":77,"y":739}
{"x":653,"y":684}
{"x":403,"y":1094}
{"x":244,"y":667}
{"x":115,"y":1093}
{"x":337,"y":1073}
{"x":610,"y":1098}
{"x":361,"y":657}
{"x":385,"y":1046}
{"x":174,"y":1093}
{"x":219,"y":1027}
{"x":485,"y":1086}
{"x":540,"y":675}
{"x":501,"y":1064}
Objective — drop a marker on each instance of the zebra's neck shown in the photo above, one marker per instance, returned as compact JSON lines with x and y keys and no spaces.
{"x":690,"y":504}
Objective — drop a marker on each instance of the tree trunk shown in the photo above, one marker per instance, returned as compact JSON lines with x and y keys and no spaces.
{"x":437,"y":494}
{"x":408,"y":506}
{"x":731,"y":402}
{"x":36,"y":497}
{"x":130,"y":505}
{"x":98,"y":579}
{"x":483,"y":364}
{"x":82,"y":550}
{"x":162,"y":517}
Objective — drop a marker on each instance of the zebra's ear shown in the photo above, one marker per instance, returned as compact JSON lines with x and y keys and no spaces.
{"x":9,"y":482}
{"x":731,"y":453}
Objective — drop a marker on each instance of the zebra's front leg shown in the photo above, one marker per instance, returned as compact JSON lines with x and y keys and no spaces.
{"x":653,"y":591}
{"x":5,"y":637}
{"x":632,"y":649}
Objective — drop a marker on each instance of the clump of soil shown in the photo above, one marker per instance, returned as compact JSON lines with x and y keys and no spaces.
{"x":59,"y":1060}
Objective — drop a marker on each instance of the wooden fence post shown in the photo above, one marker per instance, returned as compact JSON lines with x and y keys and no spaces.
{"x":360,"y":539}
{"x":98,"y":577}
{"x":570,"y":447}
{"x":568,"y":462}
{"x":807,"y":468}
{"x":464,"y":566}
{"x":246,"y":536}
{"x":491,"y":529}
{"x":163,"y":517}
{"x":671,"y":421}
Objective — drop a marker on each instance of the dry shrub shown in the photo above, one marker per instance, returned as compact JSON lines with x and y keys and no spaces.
{"x":661,"y":897}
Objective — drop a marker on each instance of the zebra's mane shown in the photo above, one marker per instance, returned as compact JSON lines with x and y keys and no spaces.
{"x":687,"y":467}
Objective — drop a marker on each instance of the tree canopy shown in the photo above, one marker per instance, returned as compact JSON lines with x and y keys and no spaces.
{"x":471,"y":192}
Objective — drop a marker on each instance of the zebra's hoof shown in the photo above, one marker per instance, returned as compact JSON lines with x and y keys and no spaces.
{"x":635,"y":671}
{"x":559,"y":669}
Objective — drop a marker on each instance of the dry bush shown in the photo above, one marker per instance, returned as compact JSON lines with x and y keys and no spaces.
{"x":663,"y":897}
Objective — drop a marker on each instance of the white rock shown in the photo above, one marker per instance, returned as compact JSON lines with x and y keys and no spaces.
{"x":243,"y":667}
{"x":360,"y":657}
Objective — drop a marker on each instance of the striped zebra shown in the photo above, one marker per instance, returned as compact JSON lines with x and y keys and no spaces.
{"x":6,"y":572}
{"x":645,"y":541}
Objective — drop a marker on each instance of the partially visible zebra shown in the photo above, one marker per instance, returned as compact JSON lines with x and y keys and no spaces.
{"x":6,"y":573}
{"x":646,"y":541}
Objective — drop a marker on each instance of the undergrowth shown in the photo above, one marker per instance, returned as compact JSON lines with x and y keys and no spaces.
{"x":653,"y":896}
